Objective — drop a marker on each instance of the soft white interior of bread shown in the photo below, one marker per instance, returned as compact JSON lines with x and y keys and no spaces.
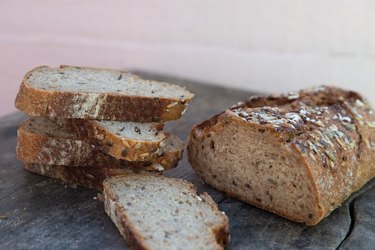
{"x":252,"y":165}
{"x":166,"y":212}
{"x":133,"y":130}
{"x":102,"y":81}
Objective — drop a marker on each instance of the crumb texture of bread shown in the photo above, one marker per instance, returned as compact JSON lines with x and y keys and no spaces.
{"x":100,"y":81}
{"x":157,"y":212}
{"x":134,"y":130}
{"x":298,"y":155}
{"x":102,"y":94}
{"x":43,"y":141}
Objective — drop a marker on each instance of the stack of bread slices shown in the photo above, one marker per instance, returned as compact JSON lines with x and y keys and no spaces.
{"x":88,"y":124}
{"x":102,"y":129}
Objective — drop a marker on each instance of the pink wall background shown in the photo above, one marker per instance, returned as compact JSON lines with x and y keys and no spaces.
{"x":267,"y":46}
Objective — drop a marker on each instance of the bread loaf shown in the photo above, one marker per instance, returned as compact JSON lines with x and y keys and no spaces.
{"x":298,"y":155}
{"x":101,"y":94}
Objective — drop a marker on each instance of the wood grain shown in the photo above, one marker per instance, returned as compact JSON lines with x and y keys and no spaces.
{"x":40,"y":213}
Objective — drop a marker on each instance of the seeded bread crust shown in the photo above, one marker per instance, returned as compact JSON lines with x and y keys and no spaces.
{"x":115,"y":106}
{"x":41,"y":141}
{"x":111,"y":143}
{"x":135,"y":239}
{"x":85,"y":177}
{"x":329,"y":130}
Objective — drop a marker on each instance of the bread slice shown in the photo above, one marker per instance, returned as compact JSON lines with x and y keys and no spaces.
{"x":101,"y":94}
{"x":157,"y":212}
{"x":85,"y":177}
{"x":299,"y":155}
{"x":41,"y":140}
{"x":132,"y":141}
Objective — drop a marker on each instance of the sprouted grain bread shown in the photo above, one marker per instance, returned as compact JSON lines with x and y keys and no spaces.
{"x":298,"y":155}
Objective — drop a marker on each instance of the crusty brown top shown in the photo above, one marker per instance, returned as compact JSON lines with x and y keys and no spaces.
{"x":329,"y":115}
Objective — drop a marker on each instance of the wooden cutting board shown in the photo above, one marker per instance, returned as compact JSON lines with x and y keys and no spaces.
{"x":37,"y":212}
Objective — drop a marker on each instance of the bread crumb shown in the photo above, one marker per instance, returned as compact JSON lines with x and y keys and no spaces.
{"x":172,"y":104}
{"x":158,"y":167}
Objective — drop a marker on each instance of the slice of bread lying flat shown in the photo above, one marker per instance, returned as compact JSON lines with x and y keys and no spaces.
{"x":132,"y":141}
{"x":101,"y":94}
{"x":157,"y":212}
{"x":85,"y":177}
{"x":299,"y":155}
{"x":43,"y":141}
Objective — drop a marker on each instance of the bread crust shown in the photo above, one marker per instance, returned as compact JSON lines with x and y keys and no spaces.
{"x":221,"y":232}
{"x":85,"y":177}
{"x":33,"y":147}
{"x":108,"y":106}
{"x":118,"y":215}
{"x":334,"y":176}
{"x":135,"y":239}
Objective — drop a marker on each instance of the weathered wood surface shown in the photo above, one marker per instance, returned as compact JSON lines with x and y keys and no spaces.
{"x":41,"y":213}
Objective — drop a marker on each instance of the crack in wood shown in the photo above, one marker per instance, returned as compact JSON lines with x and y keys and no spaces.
{"x":352,"y":222}
{"x":222,"y":200}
